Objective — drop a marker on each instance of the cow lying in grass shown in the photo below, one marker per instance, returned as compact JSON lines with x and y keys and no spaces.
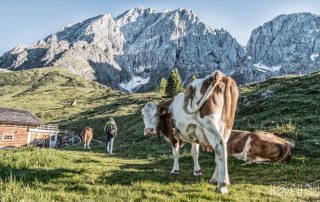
{"x":258,"y":146}
{"x":251,"y":147}
{"x":86,"y":137}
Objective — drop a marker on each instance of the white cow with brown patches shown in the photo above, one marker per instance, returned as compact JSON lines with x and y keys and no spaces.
{"x":206,"y":112}
{"x":157,"y":117}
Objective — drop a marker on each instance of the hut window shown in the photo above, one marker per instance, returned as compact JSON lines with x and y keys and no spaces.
{"x":8,"y":137}
{"x":53,"y":138}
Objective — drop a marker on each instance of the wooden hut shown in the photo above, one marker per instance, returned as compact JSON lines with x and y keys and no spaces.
{"x":19,"y":127}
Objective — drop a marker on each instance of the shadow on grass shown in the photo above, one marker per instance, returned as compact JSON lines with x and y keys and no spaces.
{"x":153,"y":171}
{"x":299,"y":171}
{"x":86,"y":161}
{"x":30,"y":176}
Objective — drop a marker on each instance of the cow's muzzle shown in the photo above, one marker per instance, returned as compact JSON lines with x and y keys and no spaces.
{"x":149,"y":131}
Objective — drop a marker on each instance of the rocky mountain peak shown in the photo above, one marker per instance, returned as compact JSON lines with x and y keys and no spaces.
{"x":288,"y":44}
{"x":134,"y":50}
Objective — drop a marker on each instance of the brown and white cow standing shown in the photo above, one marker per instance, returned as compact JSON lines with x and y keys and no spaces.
{"x":206,"y":113}
{"x":157,"y":117}
{"x":86,"y":136}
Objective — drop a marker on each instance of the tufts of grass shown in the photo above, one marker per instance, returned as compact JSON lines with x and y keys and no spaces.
{"x":285,"y":128}
{"x":139,"y":169}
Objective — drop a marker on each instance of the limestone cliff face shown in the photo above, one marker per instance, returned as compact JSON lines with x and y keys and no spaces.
{"x":288,"y":44}
{"x":134,"y":50}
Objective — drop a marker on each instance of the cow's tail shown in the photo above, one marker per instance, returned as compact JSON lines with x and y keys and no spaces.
{"x":287,"y":154}
{"x":231,"y":96}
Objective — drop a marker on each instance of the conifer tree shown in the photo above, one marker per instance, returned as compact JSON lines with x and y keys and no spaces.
{"x":163,"y":86}
{"x":174,"y":84}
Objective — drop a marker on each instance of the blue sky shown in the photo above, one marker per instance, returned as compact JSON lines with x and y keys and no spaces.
{"x":26,"y":21}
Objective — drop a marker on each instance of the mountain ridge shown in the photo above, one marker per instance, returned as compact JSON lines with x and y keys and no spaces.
{"x":134,"y":50}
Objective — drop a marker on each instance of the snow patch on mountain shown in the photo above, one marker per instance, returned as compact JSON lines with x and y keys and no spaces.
{"x":314,"y":56}
{"x":264,"y":68}
{"x":134,"y":82}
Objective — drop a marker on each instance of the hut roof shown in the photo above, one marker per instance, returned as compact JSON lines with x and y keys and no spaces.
{"x":18,"y":117}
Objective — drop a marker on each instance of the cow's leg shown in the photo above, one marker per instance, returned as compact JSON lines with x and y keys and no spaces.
{"x":85,"y":143}
{"x":222,"y":166}
{"x":223,"y":173}
{"x":195,"y":155}
{"x":88,"y":144}
{"x":176,"y":156}
{"x":214,"y":178}
{"x":203,"y":139}
{"x":216,"y":139}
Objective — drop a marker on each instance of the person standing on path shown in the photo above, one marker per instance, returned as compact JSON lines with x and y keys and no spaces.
{"x":110,"y":130}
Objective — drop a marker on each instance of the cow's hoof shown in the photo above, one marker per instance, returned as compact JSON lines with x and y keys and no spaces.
{"x":213,"y":181}
{"x":197,"y":173}
{"x":226,"y":183}
{"x":223,"y":190}
{"x":175,"y":172}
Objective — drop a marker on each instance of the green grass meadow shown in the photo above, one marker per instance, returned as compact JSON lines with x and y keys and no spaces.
{"x":139,"y":169}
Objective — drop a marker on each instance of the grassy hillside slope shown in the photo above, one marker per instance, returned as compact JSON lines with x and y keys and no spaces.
{"x":140,"y":168}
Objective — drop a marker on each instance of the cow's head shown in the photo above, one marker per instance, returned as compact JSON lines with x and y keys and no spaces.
{"x":199,"y":91}
{"x":150,"y":118}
